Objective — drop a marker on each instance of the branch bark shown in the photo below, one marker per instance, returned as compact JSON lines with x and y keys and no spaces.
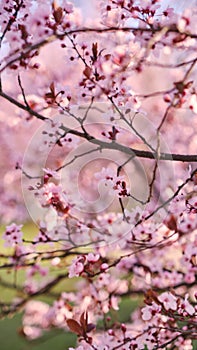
{"x":189,"y":158}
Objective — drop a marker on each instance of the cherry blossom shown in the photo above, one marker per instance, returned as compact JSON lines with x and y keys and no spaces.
{"x":77,"y":267}
{"x":168,"y":300}
{"x":13,"y":235}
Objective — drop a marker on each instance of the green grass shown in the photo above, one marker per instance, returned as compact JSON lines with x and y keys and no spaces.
{"x":10,"y":339}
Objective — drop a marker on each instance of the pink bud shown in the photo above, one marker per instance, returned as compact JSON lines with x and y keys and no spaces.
{"x":104,"y":267}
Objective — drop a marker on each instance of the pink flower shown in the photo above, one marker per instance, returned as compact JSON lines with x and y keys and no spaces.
{"x":149,"y":311}
{"x":110,"y":179}
{"x":188,"y":307}
{"x":168,"y":300}
{"x":13,"y":235}
{"x":77,"y":267}
{"x":104,"y":266}
{"x":93,"y":257}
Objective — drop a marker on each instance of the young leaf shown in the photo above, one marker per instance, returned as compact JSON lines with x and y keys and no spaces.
{"x":90,"y":327}
{"x":58,"y":14}
{"x":87,"y":72}
{"x":84,"y":320}
{"x":74,"y":326}
{"x":95,"y":51}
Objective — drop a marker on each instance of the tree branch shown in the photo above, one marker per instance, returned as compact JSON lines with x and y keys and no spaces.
{"x":85,"y":30}
{"x":22,"y":106}
{"x":108,"y":145}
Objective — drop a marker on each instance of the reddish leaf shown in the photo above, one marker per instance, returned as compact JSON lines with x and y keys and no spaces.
{"x":95,"y":51}
{"x":74,"y":326}
{"x":171,"y":223}
{"x":24,"y":33}
{"x":84,"y":320}
{"x":49,"y":95}
{"x":180,"y":86}
{"x":58,"y":14}
{"x":52,"y":88}
{"x":151,"y":296}
{"x":195,"y":178}
{"x":90,"y":327}
{"x":87,"y":72}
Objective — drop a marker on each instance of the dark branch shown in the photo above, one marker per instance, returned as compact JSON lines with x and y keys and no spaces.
{"x":22,"y":106}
